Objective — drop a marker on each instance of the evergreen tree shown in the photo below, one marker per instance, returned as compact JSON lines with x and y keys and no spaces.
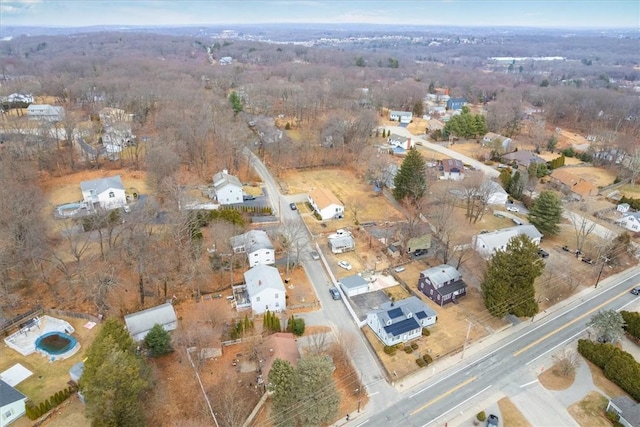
{"x":608,"y":325}
{"x":505,"y":178}
{"x":546,"y":212}
{"x":411,"y":179}
{"x":158,"y":341}
{"x":282,"y":382}
{"x":236,"y":102}
{"x":516,"y":186}
{"x":508,"y":282}
{"x":316,"y":390}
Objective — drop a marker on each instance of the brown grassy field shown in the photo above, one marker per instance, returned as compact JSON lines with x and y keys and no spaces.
{"x":511,"y":415}
{"x":599,"y":177}
{"x":589,"y":412}
{"x":552,"y":380}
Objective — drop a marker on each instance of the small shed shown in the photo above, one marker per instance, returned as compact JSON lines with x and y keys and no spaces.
{"x":139,"y":324}
{"x":623,"y":207}
{"x":76,"y":372}
{"x":354,"y":285}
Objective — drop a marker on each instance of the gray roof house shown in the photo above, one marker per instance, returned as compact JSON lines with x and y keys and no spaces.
{"x":12,"y":404}
{"x":107,"y":193}
{"x":401,"y":321}
{"x":523,"y":157}
{"x":442,"y":284}
{"x":227,"y":188}
{"x":140,"y":323}
{"x":342,"y":244}
{"x":257,"y":245}
{"x":354,"y":285}
{"x":487,"y":243}
{"x":627,"y":409}
{"x":265,"y":289}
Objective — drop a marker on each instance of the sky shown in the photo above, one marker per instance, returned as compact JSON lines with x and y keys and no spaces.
{"x":520,"y":13}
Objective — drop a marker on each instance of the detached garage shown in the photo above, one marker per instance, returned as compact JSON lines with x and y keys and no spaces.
{"x":354,"y":285}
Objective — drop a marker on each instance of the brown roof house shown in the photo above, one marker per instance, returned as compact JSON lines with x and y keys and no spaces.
{"x":326,"y":204}
{"x":572,"y":185}
{"x":281,"y":345}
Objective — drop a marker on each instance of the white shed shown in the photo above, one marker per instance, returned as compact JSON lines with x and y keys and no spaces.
{"x":139,"y":324}
{"x":354,"y":285}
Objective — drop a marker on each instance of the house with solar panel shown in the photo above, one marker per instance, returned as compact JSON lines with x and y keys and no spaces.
{"x":401,"y":321}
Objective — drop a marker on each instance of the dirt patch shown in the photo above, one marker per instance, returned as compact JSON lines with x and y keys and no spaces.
{"x":511,"y":415}
{"x":552,"y":380}
{"x":472,"y":149}
{"x":590,"y":411}
{"x":603,"y":383}
{"x":599,"y":177}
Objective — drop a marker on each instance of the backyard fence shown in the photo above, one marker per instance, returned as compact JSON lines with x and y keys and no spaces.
{"x":12,"y":323}
{"x":75,"y":315}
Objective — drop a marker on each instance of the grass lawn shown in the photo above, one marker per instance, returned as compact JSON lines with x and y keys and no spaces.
{"x":589,"y":412}
{"x":603,"y":383}
{"x":511,"y":416}
{"x":630,"y":190}
{"x":551,"y":379}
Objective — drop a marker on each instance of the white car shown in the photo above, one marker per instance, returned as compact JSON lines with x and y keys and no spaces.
{"x":345,"y":265}
{"x":513,"y":209}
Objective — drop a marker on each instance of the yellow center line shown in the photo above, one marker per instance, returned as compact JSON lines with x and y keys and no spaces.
{"x":431,"y":402}
{"x":566,"y":325}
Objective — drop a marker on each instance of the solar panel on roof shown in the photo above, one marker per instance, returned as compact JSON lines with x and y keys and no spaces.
{"x":401,"y":327}
{"x":396,"y":312}
{"x":421,"y":315}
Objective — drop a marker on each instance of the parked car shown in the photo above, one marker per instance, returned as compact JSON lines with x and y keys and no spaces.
{"x":335,"y":293}
{"x":587,"y":260}
{"x":566,"y":248}
{"x":293,"y":206}
{"x":636,"y":290}
{"x":420,"y":252}
{"x":345,"y":265}
{"x":513,"y":209}
{"x":492,"y":421}
{"x":399,"y":269}
{"x":543,"y":253}
{"x":248,"y":197}
{"x":315,"y":255}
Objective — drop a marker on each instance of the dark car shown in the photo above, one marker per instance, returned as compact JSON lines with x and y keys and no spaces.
{"x":636,"y":290}
{"x":315,"y":255}
{"x":419,"y":252}
{"x":543,"y":253}
{"x":566,"y":248}
{"x":248,"y":197}
{"x":587,"y":260}
{"x":293,"y":206}
{"x":492,"y":421}
{"x":335,"y":293}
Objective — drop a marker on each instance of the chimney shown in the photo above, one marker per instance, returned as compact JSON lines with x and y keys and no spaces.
{"x":225,"y":171}
{"x":259,"y":282}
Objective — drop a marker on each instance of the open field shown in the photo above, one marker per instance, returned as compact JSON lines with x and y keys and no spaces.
{"x":599,"y":177}
{"x":511,"y":415}
{"x":590,"y":411}
{"x":630,"y":190}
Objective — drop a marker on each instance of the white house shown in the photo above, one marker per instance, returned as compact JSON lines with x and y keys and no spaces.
{"x":452,"y":169}
{"x":498,"y":195}
{"x":401,"y":321}
{"x":265,"y":289}
{"x":12,"y":404}
{"x":257,"y":245}
{"x":326,"y":204}
{"x":139,"y":324}
{"x":400,"y":141}
{"x":45,"y":112}
{"x":401,"y":116}
{"x":341,"y":244}
{"x":105,"y":193}
{"x":630,"y":221}
{"x":491,"y":136}
{"x":488,"y":243}
{"x":20,"y":97}
{"x":354,"y":285}
{"x":623,"y":207}
{"x":628,"y":410}
{"x":228,"y":188}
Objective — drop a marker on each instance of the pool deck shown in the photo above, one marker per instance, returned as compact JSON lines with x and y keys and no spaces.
{"x":24,"y":341}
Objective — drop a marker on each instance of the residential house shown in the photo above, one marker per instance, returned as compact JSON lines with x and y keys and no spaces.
{"x":12,"y":404}
{"x":326,"y":204}
{"x":420,"y":242}
{"x":442,"y":284}
{"x":401,"y":116}
{"x":491,"y":137}
{"x":486,"y":244}
{"x":281,"y":345}
{"x":630,"y":221}
{"x":341,"y":244}
{"x":400,"y":141}
{"x":140,"y":323}
{"x":610,"y":155}
{"x":265,"y":289}
{"x":523,"y":158}
{"x":225,"y":60}
{"x":45,"y":112}
{"x":623,"y":207}
{"x":452,"y":169}
{"x":354,"y":285}
{"x":257,"y":245}
{"x":20,"y":97}
{"x":574,"y":186}
{"x":456,"y":103}
{"x":227,"y":188}
{"x":437,"y":110}
{"x":110,"y":115}
{"x":498,"y":194}
{"x":627,"y":409}
{"x":401,"y":321}
{"x":105,"y":193}
{"x":434,"y":125}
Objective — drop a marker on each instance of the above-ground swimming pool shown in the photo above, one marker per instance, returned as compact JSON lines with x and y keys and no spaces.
{"x":69,"y":209}
{"x":55,"y":343}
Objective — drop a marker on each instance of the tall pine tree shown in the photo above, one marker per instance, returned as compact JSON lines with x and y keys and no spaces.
{"x":546,"y":212}
{"x":411,"y":181}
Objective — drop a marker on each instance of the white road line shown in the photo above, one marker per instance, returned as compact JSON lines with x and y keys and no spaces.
{"x":362,"y":423}
{"x":532,"y":382}
{"x":373,"y":394}
{"x":556,"y":346}
{"x":458,"y":405}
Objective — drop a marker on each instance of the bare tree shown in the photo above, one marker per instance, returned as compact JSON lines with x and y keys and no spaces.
{"x":582,"y":226}
{"x":293,"y":236}
{"x":477,"y":192}
{"x":566,"y":362}
{"x":440,"y":215}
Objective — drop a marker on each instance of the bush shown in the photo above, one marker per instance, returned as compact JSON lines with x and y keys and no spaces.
{"x":390,"y":350}
{"x":425,"y":332}
{"x":421,"y":362}
{"x":481,"y":416}
{"x":632,"y":322}
{"x":408,"y":349}
{"x":427,"y":358}
{"x":296,"y":326}
{"x":414,"y":345}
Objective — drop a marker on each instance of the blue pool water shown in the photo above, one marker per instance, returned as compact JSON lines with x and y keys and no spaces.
{"x":55,"y":343}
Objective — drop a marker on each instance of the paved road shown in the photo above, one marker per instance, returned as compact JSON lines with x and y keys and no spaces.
{"x":333,"y":313}
{"x":507,"y":366}
{"x":488,"y":170}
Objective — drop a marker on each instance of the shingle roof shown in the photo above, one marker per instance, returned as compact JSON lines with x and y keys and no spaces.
{"x":452,"y":165}
{"x":263,"y":277}
{"x":630,"y":409}
{"x":353,"y":282}
{"x":144,"y":320}
{"x":222,"y":179}
{"x":442,"y":274}
{"x":498,"y":238}
{"x":102,"y":184}
{"x":397,"y":312}
{"x":324,"y":198}
{"x":252,"y":240}
{"x":9,"y":395}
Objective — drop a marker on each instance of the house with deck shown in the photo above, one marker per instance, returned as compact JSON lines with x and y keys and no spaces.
{"x":263,"y":290}
{"x":486,"y":244}
{"x":227,"y":188}
{"x":257,"y":245}
{"x":104,"y":193}
{"x":401,"y":321}
{"x":442,"y":284}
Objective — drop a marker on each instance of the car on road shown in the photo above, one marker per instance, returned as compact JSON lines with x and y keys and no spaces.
{"x":543,"y":253}
{"x":314,"y":255}
{"x":335,"y":293}
{"x":587,"y":260}
{"x":492,"y":421}
{"x":399,"y":269}
{"x":293,"y":206}
{"x":345,"y":265}
{"x":636,"y":290}
{"x":513,"y":209}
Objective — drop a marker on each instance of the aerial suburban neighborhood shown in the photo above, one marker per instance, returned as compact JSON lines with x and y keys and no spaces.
{"x":274,"y":225}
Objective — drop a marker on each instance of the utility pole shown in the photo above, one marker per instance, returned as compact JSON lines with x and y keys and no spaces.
{"x":464,"y":346}
{"x":605,"y":260}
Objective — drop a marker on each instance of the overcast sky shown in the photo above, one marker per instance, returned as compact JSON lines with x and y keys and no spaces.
{"x":530,"y":13}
